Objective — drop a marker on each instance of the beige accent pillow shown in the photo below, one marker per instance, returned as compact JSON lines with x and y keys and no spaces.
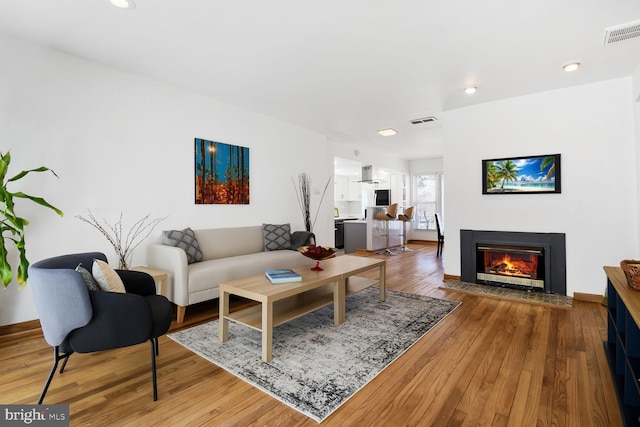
{"x":107,"y":278}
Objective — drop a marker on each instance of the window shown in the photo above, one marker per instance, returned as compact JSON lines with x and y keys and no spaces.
{"x":428,"y":200}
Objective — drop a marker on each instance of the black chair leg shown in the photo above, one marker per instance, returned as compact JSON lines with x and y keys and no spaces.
{"x":157,"y":346}
{"x":56,"y":359}
{"x":64,"y":364}
{"x":153,"y":369}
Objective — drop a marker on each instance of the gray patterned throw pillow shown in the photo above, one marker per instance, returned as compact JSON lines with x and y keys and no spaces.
{"x":88,"y":278}
{"x":276,"y":236}
{"x":185,"y":240}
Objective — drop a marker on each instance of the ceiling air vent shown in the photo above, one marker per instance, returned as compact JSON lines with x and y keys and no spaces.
{"x":423,"y":120}
{"x":620,"y":33}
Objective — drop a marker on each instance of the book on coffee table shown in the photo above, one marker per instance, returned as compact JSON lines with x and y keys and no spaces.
{"x":283,"y":275}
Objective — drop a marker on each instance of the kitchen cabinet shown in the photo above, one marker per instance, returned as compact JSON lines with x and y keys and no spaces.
{"x":346,"y":189}
{"x":355,"y":236}
{"x":398,"y":184}
{"x":371,"y":234}
{"x":340,"y":188}
{"x":355,"y":190}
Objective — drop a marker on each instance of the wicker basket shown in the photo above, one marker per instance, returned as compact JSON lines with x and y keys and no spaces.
{"x":631,"y":269}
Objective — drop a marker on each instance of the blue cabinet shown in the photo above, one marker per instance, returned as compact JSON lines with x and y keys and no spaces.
{"x":623,"y":343}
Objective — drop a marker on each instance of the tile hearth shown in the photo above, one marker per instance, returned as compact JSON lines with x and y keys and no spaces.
{"x":508,"y":293}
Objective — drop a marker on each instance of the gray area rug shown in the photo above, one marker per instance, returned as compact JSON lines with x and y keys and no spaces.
{"x":316,"y":365}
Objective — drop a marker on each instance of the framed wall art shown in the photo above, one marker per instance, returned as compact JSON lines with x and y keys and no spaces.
{"x":221,"y":173}
{"x":521,"y":175}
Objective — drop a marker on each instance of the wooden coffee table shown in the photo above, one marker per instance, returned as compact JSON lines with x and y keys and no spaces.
{"x":280,"y":303}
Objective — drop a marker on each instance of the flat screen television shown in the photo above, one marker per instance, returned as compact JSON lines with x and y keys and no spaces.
{"x":383,"y":197}
{"x":521,"y":175}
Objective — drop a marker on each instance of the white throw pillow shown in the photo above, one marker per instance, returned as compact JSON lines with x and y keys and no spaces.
{"x":107,"y":278}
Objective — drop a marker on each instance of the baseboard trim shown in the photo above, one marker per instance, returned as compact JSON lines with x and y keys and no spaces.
{"x":451,"y":277}
{"x":579,"y":296}
{"x":22,"y":327}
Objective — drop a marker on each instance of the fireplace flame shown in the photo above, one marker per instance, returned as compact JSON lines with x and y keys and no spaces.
{"x":507,"y":265}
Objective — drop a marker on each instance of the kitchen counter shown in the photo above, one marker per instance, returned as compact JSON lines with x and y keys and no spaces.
{"x":370,"y":234}
{"x":355,"y":236}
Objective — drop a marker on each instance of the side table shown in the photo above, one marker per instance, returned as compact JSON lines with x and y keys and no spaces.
{"x":158,"y":275}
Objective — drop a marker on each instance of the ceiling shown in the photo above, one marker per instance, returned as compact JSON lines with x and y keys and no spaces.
{"x":345,"y":68}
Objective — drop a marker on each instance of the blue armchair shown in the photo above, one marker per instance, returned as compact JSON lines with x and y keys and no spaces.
{"x":75,"y":319}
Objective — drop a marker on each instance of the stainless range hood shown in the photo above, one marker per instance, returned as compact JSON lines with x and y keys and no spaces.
{"x":368,"y":175}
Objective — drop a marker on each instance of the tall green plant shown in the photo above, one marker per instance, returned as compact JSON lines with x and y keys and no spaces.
{"x":11,"y":225}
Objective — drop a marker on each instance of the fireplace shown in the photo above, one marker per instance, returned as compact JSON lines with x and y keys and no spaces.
{"x":510,"y":265}
{"x":531,"y":261}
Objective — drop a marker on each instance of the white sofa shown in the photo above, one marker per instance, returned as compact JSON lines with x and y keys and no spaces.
{"x":228,"y":254}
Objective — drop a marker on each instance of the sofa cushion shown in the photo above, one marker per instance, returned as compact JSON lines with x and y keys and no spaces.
{"x":209,"y":274}
{"x":235,"y":241}
{"x":185,"y":240}
{"x":276,"y":236}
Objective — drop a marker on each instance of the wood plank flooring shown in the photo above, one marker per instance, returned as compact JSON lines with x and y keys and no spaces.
{"x":490,"y":363}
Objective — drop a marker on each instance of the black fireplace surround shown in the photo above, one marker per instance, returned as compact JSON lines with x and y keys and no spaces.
{"x":553,"y":245}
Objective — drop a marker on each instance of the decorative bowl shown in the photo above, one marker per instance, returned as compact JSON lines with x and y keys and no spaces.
{"x":318,"y":253}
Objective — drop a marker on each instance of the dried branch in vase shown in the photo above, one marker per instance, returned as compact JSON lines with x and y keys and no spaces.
{"x":123,"y":244}
{"x":303,"y":193}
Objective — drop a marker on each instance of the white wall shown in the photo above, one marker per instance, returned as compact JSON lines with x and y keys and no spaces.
{"x":636,"y":97}
{"x":426,"y":166}
{"x":637,"y":134}
{"x":368,"y":156}
{"x":592,"y":126}
{"x":123,"y":143}
{"x":636,"y":83}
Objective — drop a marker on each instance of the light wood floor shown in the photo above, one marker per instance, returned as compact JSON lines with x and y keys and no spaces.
{"x":490,"y":363}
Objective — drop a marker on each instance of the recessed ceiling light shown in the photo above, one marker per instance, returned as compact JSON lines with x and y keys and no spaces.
{"x":124,"y":4}
{"x":387,"y":132}
{"x":471,"y":89}
{"x":571,"y":66}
